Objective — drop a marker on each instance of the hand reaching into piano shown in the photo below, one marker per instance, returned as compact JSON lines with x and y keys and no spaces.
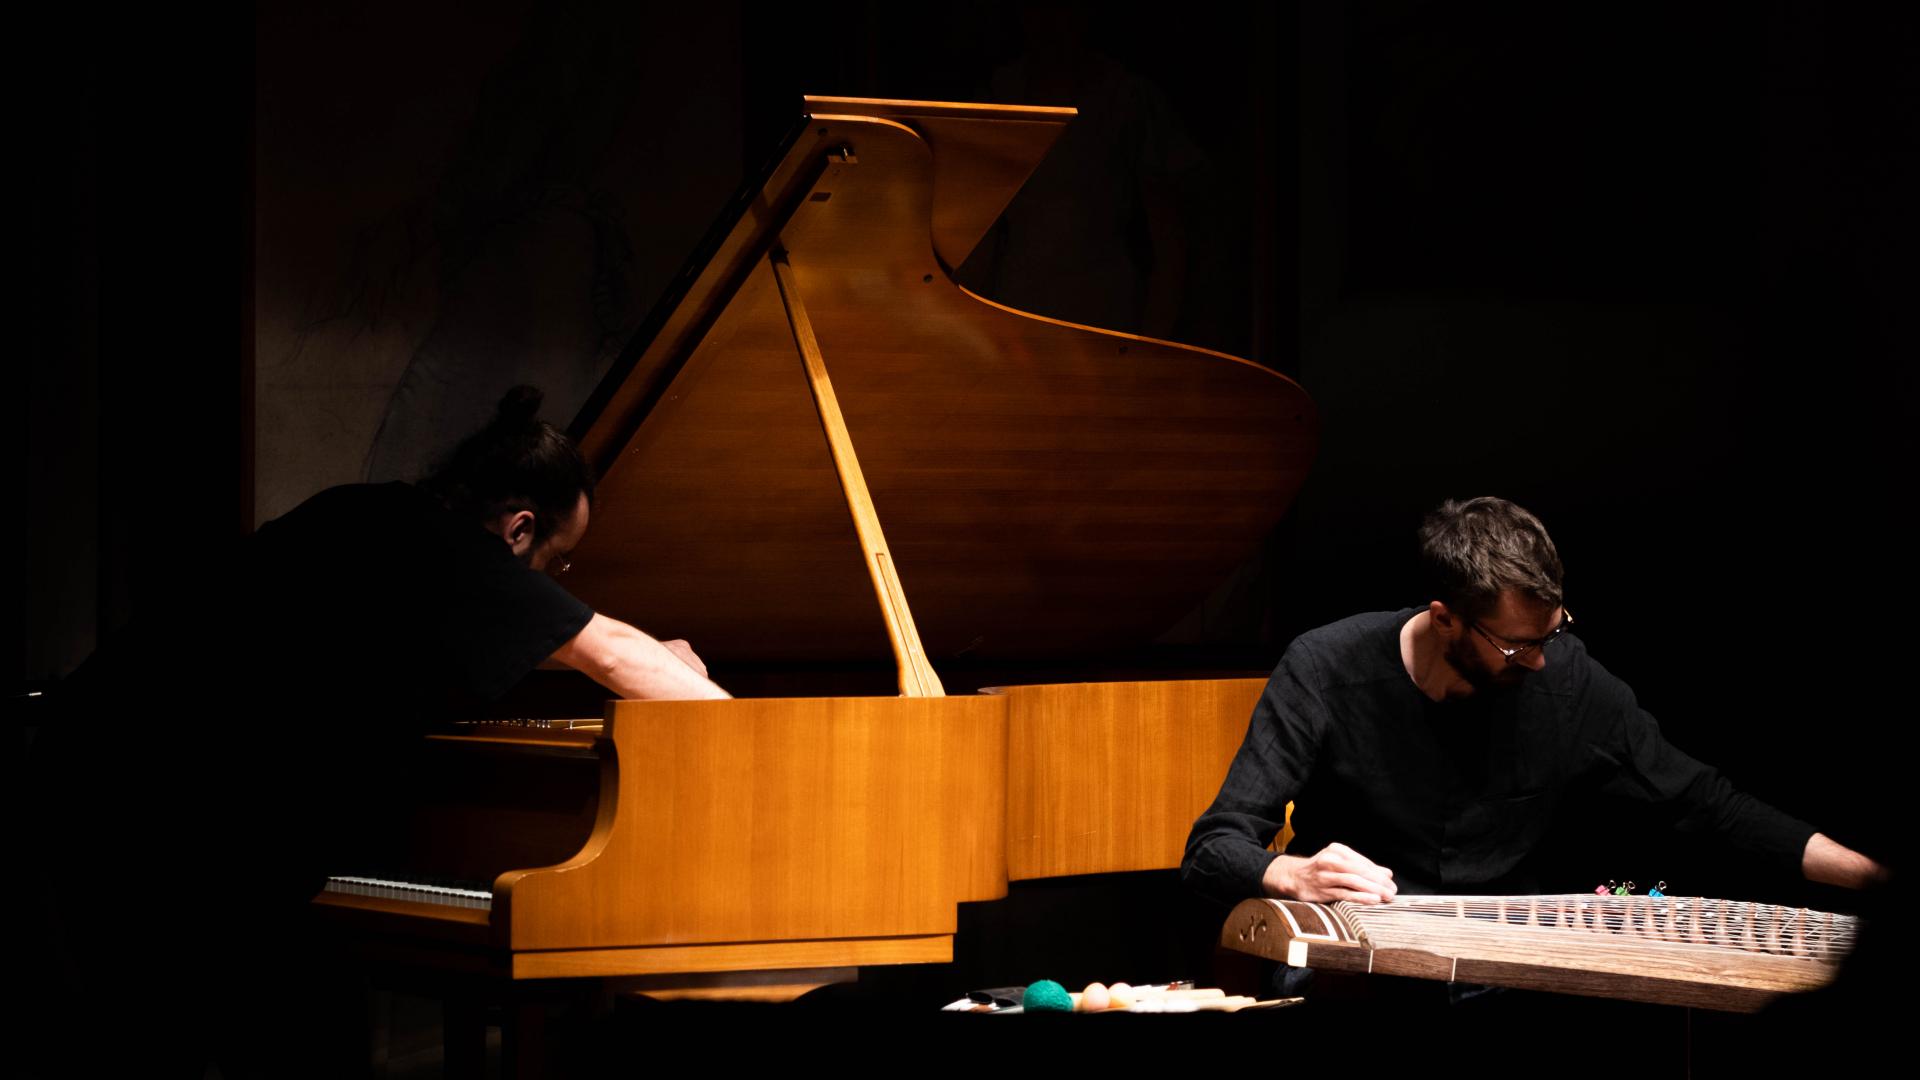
{"x":633,"y":665}
{"x":680,"y":648}
{"x":1337,"y":873}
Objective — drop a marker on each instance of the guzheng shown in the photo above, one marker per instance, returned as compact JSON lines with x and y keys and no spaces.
{"x":1677,"y":950}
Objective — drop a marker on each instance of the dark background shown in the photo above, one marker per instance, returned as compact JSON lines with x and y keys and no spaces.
{"x":1645,"y":270}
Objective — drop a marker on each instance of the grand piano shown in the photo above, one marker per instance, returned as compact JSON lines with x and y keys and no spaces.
{"x":821,"y":450}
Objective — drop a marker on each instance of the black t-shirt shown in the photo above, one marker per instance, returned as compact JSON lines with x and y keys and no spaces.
{"x":374,"y":599}
{"x":263,"y":729}
{"x":1454,"y":796}
{"x":214,"y":763}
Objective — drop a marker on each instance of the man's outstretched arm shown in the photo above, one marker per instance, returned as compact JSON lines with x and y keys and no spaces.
{"x":1832,"y":863}
{"x":632,"y":664}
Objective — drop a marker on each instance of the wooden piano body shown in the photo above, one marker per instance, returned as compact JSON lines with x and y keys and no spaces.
{"x":809,"y":836}
{"x":818,"y":424}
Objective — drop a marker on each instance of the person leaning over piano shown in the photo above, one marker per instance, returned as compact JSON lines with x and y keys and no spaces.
{"x":370,"y":613}
{"x":1431,"y":748}
{"x":460,"y":572}
{"x":336,"y":636}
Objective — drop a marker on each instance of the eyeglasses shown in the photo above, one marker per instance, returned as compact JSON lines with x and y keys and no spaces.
{"x":1514,"y":653}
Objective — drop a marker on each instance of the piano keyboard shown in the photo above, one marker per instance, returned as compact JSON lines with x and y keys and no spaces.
{"x":458,"y":894}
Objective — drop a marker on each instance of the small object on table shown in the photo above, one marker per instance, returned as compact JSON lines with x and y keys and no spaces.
{"x":1047,"y":996}
{"x":996,"y":999}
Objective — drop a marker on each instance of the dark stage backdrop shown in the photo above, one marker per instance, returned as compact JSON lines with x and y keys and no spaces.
{"x":1645,"y":269}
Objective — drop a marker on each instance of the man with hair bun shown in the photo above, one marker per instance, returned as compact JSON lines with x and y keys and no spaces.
{"x":1431,"y":748}
{"x":525,"y":483}
{"x":343,"y":631}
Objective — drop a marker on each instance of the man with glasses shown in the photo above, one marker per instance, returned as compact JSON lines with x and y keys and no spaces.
{"x":1438,"y":743}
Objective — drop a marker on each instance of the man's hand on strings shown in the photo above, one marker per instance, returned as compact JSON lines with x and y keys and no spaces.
{"x":1337,"y":872}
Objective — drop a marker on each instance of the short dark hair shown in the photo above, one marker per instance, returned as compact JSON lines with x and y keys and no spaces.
{"x":1475,"y":550}
{"x":515,"y":463}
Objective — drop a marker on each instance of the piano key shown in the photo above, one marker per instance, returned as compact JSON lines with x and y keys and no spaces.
{"x":462,"y":894}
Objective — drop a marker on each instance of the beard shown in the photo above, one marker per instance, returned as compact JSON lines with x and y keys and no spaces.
{"x":1465,"y":659}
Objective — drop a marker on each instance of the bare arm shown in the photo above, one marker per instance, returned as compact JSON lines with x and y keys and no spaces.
{"x":1832,"y":863}
{"x":1337,"y":873}
{"x":633,"y":665}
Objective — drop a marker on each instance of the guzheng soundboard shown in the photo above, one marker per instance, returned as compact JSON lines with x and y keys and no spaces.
{"x":1681,"y":950}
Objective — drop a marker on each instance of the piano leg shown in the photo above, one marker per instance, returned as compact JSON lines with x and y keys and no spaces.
{"x":524,"y":1050}
{"x":463,"y":1036}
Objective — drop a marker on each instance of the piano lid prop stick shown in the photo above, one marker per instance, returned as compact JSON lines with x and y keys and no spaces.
{"x":917,"y":678}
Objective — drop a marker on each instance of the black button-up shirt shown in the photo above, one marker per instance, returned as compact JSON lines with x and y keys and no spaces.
{"x":1454,"y":796}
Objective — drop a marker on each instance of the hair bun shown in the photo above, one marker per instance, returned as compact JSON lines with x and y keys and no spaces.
{"x":519,"y":406}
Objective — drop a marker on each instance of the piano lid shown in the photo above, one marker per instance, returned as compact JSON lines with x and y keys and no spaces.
{"x":1046,"y":489}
